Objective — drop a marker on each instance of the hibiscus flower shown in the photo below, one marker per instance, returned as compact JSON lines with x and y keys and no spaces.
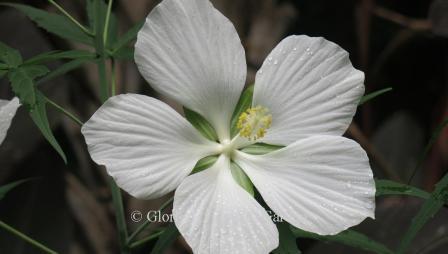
{"x":305,"y":96}
{"x":7,"y":112}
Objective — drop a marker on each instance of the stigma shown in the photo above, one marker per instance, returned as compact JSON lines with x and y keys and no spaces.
{"x":254,"y":122}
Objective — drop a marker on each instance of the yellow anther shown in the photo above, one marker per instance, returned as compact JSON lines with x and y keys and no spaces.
{"x":254,"y":122}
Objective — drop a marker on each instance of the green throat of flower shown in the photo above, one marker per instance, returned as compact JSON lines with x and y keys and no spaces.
{"x":254,"y":122}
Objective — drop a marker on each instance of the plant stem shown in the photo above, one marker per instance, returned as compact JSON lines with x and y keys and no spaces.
{"x":148,"y":222}
{"x":26,"y":238}
{"x":119,"y":215}
{"x":104,"y":90}
{"x":146,"y":239}
{"x":113,"y":79}
{"x":83,"y":28}
{"x":106,"y":24}
{"x":100,"y":24}
{"x":65,"y":112}
{"x":99,"y":47}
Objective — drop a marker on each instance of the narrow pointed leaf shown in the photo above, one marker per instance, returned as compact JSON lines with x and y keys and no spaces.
{"x":63,"y":69}
{"x":388,"y":187}
{"x":53,"y":23}
{"x":241,"y":178}
{"x":129,"y":36}
{"x":202,"y":125}
{"x":57,"y":55}
{"x":260,"y":148}
{"x":97,"y":12}
{"x":243,"y":104}
{"x":39,"y":116}
{"x":22,"y":82}
{"x":166,"y":239}
{"x":287,"y":239}
{"x":431,"y":206}
{"x":347,"y":237}
{"x":205,"y":163}
{"x":124,"y":53}
{"x":8,"y":187}
{"x":372,"y":95}
{"x":434,"y":137}
{"x":9,"y":56}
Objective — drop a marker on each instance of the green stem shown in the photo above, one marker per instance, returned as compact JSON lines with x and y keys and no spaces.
{"x":113,"y":80}
{"x":147,"y":222}
{"x":100,"y":50}
{"x":100,"y":25}
{"x":146,"y":239}
{"x":26,"y":238}
{"x":65,"y":112}
{"x":119,"y":215}
{"x":106,"y":25}
{"x":83,"y":28}
{"x":104,"y":90}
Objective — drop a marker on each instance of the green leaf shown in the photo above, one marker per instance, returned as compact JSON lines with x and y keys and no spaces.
{"x":287,"y":239}
{"x":6,"y":188}
{"x":124,"y":53}
{"x":112,"y":34}
{"x":22,"y":82}
{"x":97,"y":15}
{"x":90,"y":8}
{"x":388,"y":187}
{"x":431,"y":206}
{"x":129,"y":36}
{"x":347,"y":237}
{"x":3,"y":73}
{"x":260,"y":148}
{"x":61,"y":70}
{"x":166,"y":239}
{"x":39,"y":116}
{"x":243,"y":104}
{"x":435,"y":135}
{"x":11,"y":57}
{"x":53,"y":23}
{"x":372,"y":95}
{"x":202,"y":125}
{"x":205,"y":163}
{"x":241,"y":178}
{"x":57,"y":55}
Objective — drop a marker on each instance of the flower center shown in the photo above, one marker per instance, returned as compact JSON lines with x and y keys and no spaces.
{"x":254,"y":122}
{"x":227,"y":147}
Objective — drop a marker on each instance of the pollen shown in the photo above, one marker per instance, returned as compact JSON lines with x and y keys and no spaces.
{"x":254,"y":122}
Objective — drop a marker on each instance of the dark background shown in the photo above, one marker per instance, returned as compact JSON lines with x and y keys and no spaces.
{"x":398,"y":43}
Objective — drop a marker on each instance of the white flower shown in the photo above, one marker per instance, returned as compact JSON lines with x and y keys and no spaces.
{"x":7,"y":112}
{"x":188,"y":51}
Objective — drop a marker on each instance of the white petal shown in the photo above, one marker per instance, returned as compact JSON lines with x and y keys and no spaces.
{"x":146,"y":146}
{"x":322,"y":184}
{"x":215,"y":215}
{"x":190,"y":52}
{"x":7,"y":112}
{"x":310,"y":87}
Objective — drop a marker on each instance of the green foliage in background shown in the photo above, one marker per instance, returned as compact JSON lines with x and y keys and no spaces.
{"x":100,"y":35}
